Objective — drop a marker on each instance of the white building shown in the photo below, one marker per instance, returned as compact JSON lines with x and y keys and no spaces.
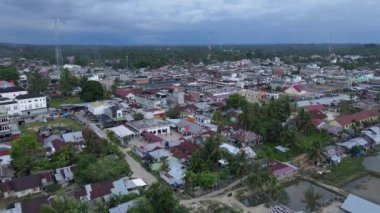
{"x":253,"y":96}
{"x":154,"y":126}
{"x":12,"y":92}
{"x":202,"y":120}
{"x":31,"y":104}
{"x":98,"y":108}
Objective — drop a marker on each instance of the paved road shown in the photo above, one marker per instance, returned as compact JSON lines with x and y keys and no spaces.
{"x":138,"y":170}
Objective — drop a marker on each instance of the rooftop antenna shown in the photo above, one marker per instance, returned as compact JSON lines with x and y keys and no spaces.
{"x":58,"y":51}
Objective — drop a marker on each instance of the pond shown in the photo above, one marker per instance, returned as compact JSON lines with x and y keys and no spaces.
{"x":366,"y":187}
{"x":296,"y":195}
{"x":372,"y":163}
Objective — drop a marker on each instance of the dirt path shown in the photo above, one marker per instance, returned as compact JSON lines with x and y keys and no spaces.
{"x":221,"y":196}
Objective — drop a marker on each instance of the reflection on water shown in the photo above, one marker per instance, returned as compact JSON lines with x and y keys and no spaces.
{"x":297,"y":192}
{"x":366,"y":187}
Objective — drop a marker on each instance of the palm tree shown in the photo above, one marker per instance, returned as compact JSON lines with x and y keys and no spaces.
{"x":311,"y":198}
{"x":196,"y":162}
{"x":274,"y":189}
{"x":315,"y":152}
{"x":257,"y":178}
{"x":189,"y":179}
{"x":240,"y":163}
{"x":164,"y":163}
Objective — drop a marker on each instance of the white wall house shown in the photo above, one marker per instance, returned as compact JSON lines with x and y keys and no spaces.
{"x":31,"y":104}
{"x":12,"y":92}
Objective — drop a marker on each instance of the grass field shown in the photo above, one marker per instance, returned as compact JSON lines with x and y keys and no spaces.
{"x":32,"y":128}
{"x":347,"y":170}
{"x":56,"y":102}
{"x":306,"y":141}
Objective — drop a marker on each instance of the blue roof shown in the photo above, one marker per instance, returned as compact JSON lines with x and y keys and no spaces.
{"x":355,"y":204}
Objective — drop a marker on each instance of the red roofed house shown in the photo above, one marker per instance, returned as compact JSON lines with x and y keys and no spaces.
{"x":188,"y":147}
{"x":127,"y":94}
{"x":282,"y":170}
{"x":294,"y":90}
{"x":318,"y":107}
{"x":23,"y":186}
{"x":346,"y":121}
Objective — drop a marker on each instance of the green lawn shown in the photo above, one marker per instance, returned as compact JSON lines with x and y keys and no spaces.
{"x":32,"y":128}
{"x":305,"y":141}
{"x":56,"y":102}
{"x":347,"y":170}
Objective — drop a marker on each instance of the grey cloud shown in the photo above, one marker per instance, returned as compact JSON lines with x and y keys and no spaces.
{"x":191,"y":21}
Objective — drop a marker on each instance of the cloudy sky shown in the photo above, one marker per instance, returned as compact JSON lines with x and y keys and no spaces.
{"x":130,"y":22}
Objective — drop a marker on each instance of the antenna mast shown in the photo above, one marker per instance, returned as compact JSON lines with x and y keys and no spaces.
{"x":58,"y":51}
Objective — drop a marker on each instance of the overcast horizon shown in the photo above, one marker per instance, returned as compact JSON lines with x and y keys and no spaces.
{"x":192,"y":22}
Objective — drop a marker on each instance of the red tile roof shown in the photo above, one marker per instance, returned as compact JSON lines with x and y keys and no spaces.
{"x":188,"y":147}
{"x":151,"y":137}
{"x":4,"y":152}
{"x":101,"y":189}
{"x":348,"y":119}
{"x":319,"y":107}
{"x":34,"y":205}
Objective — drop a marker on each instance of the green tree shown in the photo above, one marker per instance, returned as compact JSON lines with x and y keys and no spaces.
{"x":103,"y":169}
{"x":142,"y":204}
{"x":161,"y":198}
{"x":239,"y":165}
{"x":164,"y":163}
{"x":311,"y":198}
{"x":64,"y":157}
{"x":37,"y":83}
{"x":138,"y":116}
{"x":65,"y":204}
{"x":257,"y":178}
{"x":68,"y":82}
{"x":28,"y":155}
{"x":206,"y":179}
{"x":196,"y":163}
{"x":273,"y":189}
{"x":173,"y":113}
{"x":236,"y":101}
{"x":91,"y":91}
{"x":8,"y":73}
{"x":113,"y":138}
{"x":190,"y":178}
{"x":315,"y":152}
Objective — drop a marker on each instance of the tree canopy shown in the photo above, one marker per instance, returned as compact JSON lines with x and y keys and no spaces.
{"x":103,"y":169}
{"x":8,"y":73}
{"x":236,"y":101}
{"x":28,"y":155}
{"x":68,"y":82}
{"x":91,"y":91}
{"x":37,"y":83}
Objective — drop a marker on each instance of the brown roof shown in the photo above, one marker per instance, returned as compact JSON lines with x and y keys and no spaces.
{"x":178,"y":153}
{"x":26,"y":182}
{"x":101,"y":189}
{"x":188,"y":147}
{"x":34,"y":205}
{"x":151,"y":137}
{"x":347,"y":119}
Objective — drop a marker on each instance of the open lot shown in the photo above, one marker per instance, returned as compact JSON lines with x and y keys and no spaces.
{"x":56,"y":102}
{"x":347,"y":170}
{"x":32,"y":128}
